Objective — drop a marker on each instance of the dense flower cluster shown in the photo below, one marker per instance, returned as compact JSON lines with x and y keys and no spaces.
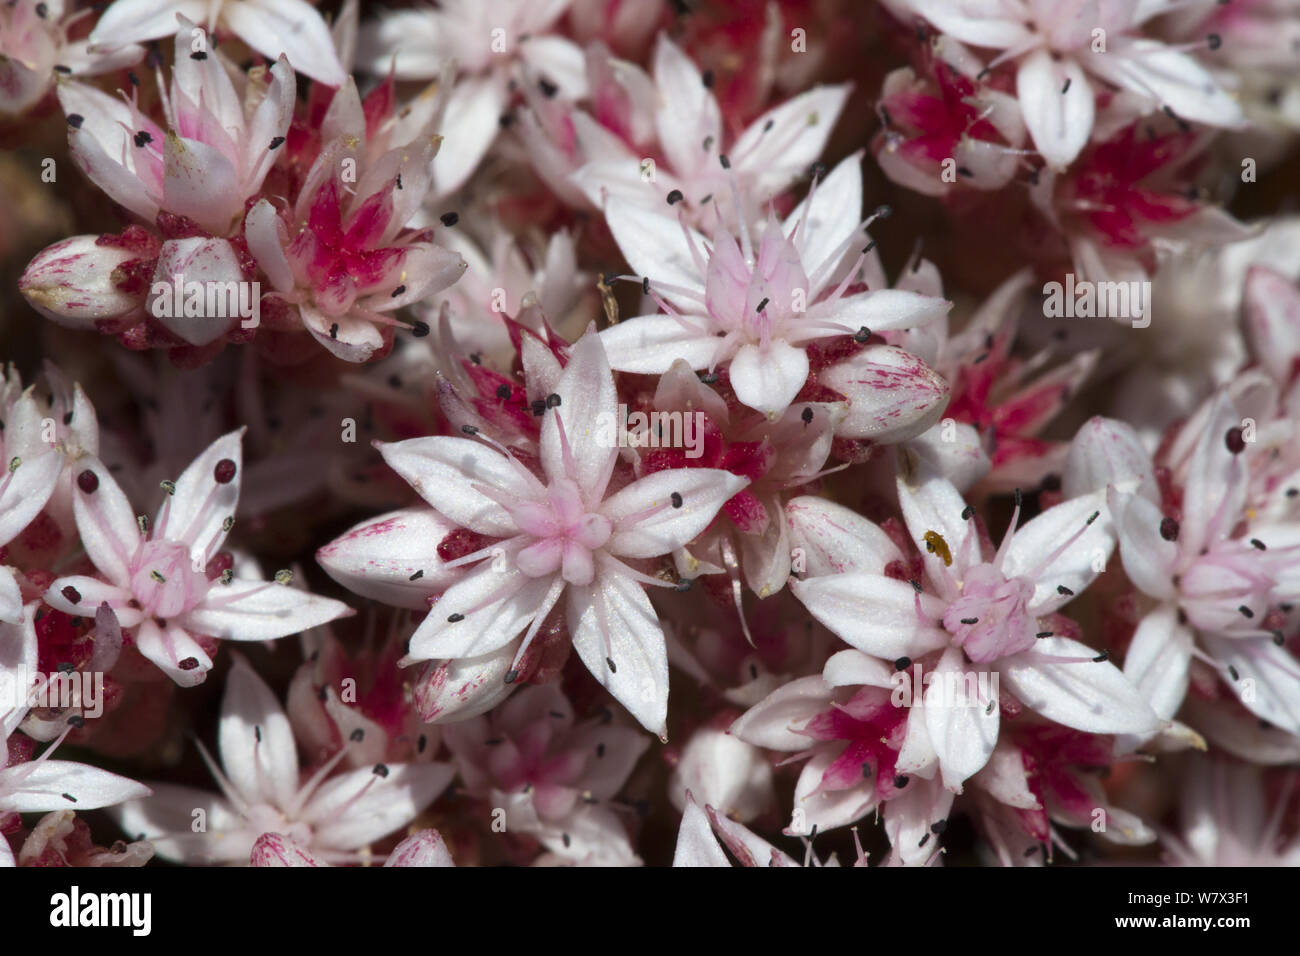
{"x":801,"y":432}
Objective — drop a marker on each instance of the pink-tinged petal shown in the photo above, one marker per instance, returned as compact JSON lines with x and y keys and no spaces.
{"x":650,"y":344}
{"x":1267,"y":677}
{"x":1272,"y":310}
{"x":256,"y":740}
{"x":827,"y":809}
{"x":134,"y":21}
{"x":1058,"y":103}
{"x":687,"y":113}
{"x":278,"y":850}
{"x":768,"y":379}
{"x":1149,"y":557}
{"x":875,"y":614}
{"x":348,"y":338}
{"x":910,"y":818}
{"x":1106,"y":452}
{"x":774,"y":722}
{"x":105,"y":520}
{"x":102,"y":147}
{"x":990,"y":23}
{"x":780,"y":145}
{"x":293,"y":28}
{"x":588,"y":406}
{"x":206,"y":494}
{"x":667,"y":509}
{"x":167,"y":820}
{"x":893,"y":396}
{"x":1170,"y":77}
{"x":175,"y":652}
{"x":473,"y":112}
{"x":90,"y":593}
{"x":356,"y":808}
{"x":269,"y":122}
{"x":425,"y":848}
{"x":834,"y":539}
{"x":25,"y":486}
{"x":614,"y":753}
{"x":392,"y":558}
{"x":267,"y":237}
{"x":748,"y":848}
{"x":71,"y":283}
{"x":209,"y":267}
{"x":260,"y":611}
{"x":888,"y":309}
{"x":696,"y":844}
{"x":1060,"y":679}
{"x":1158,"y":660}
{"x":656,"y":247}
{"x":835,"y":213}
{"x":445,"y":473}
{"x":612,"y":620}
{"x":200,"y":182}
{"x":482,"y":612}
{"x":1066,"y":546}
{"x":49,"y":786}
{"x":455,"y":690}
{"x":963,"y":725}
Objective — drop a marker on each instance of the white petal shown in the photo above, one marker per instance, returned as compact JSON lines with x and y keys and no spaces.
{"x":105,"y":522}
{"x":656,"y":247}
{"x":875,"y":614}
{"x":195,"y":513}
{"x":696,"y":844}
{"x":1058,"y":103}
{"x":687,"y":112}
{"x":834,"y":539}
{"x":963,"y":726}
{"x":1149,"y":559}
{"x":701,"y":491}
{"x":354,"y":809}
{"x":649,"y":344}
{"x":444,"y":471}
{"x":773,"y":723}
{"x":1158,"y":660}
{"x":25,"y":490}
{"x":260,"y":611}
{"x":1084,"y":556}
{"x":1170,"y":77}
{"x":781,"y":144}
{"x":1092,"y":696}
{"x":473,"y":117}
{"x":256,"y":741}
{"x":166,"y":820}
{"x":497,"y":602}
{"x":612,"y":620}
{"x":888,"y":309}
{"x":835,"y":213}
{"x":1268,"y":677}
{"x":49,"y":786}
{"x":588,"y":406}
{"x":392,"y":558}
{"x":292,"y":27}
{"x":769,"y":379}
{"x":425,"y":848}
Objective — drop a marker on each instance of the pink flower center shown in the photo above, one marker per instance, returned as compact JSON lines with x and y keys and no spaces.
{"x":164,"y":581}
{"x":566,"y":533}
{"x":991,"y":618}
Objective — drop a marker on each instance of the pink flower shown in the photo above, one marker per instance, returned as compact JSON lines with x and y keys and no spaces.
{"x":755,"y":307}
{"x":561,"y":533}
{"x":166,"y":580}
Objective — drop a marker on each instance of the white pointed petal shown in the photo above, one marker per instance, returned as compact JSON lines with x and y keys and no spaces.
{"x":91,"y":593}
{"x":459,"y":689}
{"x":612,"y":620}
{"x":769,"y":379}
{"x":357,"y":808}
{"x":1058,"y":103}
{"x":1075,"y":567}
{"x":195,"y":513}
{"x":990,"y":23}
{"x":696,"y":844}
{"x":954,"y":451}
{"x":267,"y":236}
{"x":875,"y":614}
{"x":11,"y":598}
{"x":26,"y":489}
{"x":889,"y":309}
{"x":655,"y":246}
{"x":909,"y":818}
{"x":782,"y":143}
{"x":50,"y":785}
{"x":588,"y":406}
{"x":256,"y":740}
{"x":175,"y":652}
{"x":209,"y":266}
{"x":701,"y":491}
{"x":392,"y":558}
{"x":473,"y":116}
{"x":260,"y":611}
{"x":1216,"y":480}
{"x":497,"y":602}
{"x":931,"y":503}
{"x":1108,"y":452}
{"x":291,"y":27}
{"x":105,"y":522}
{"x":835,"y":213}
{"x":132,"y":21}
{"x":833,"y":539}
{"x":1158,"y":660}
{"x":828,"y":809}
{"x":963,"y":726}
{"x":649,"y":344}
{"x":1170,"y":77}
{"x":1272,"y":312}
{"x":1268,"y":677}
{"x":774,"y":722}
{"x":200,"y":182}
{"x":443,"y":472}
{"x":1149,"y":559}
{"x":1092,"y":696}
{"x":167,"y":820}
{"x":687,"y":112}
{"x":893,"y":395}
